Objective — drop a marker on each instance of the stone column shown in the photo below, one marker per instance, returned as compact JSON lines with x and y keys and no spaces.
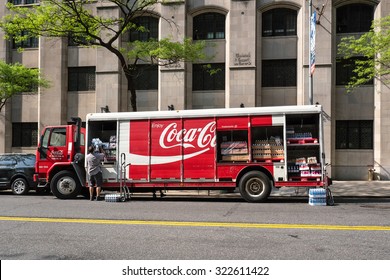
{"x":241,"y":54}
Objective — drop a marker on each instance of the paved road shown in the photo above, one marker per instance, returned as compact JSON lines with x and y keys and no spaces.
{"x":187,"y":227}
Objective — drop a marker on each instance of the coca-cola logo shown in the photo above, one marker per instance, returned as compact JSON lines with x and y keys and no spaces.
{"x":188,"y":138}
{"x":57,"y":155}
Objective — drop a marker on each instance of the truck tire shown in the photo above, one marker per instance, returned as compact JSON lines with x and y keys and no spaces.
{"x":255,"y":186}
{"x":65,"y":185}
{"x":19,"y":186}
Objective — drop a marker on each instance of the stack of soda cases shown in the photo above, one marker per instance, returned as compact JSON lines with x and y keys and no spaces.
{"x":317,"y":197}
{"x":115,"y":197}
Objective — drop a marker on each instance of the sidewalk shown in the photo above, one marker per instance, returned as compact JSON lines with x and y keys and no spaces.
{"x":345,"y":189}
{"x":361,"y":188}
{"x":338,"y":188}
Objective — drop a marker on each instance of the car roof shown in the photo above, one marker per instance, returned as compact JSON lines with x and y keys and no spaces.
{"x":17,"y":154}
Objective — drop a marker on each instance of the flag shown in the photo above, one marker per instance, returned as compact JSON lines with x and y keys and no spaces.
{"x":313,"y":20}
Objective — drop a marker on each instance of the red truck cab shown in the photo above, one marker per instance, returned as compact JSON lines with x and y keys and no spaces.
{"x":60,"y":151}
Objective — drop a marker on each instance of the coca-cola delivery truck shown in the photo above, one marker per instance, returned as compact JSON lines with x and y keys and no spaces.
{"x":252,"y":149}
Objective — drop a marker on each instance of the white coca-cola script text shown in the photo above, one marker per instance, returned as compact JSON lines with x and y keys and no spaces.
{"x":188,"y":138}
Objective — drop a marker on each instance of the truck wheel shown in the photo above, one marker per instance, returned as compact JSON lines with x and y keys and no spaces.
{"x":255,"y":186}
{"x":65,"y":185}
{"x":19,"y":186}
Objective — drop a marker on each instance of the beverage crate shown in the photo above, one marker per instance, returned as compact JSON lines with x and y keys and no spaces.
{"x":235,"y":158}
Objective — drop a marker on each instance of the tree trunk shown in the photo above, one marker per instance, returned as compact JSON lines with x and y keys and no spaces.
{"x":133,"y":94}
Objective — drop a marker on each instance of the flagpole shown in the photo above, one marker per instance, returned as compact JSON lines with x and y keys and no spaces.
{"x":310,"y":62}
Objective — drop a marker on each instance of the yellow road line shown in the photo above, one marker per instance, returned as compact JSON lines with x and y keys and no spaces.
{"x":196,"y":224}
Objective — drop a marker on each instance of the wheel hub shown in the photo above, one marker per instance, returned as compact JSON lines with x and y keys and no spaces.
{"x":255,"y":187}
{"x":66,"y":185}
{"x":19,"y":187}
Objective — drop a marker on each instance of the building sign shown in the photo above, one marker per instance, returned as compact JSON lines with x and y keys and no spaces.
{"x":242,"y":59}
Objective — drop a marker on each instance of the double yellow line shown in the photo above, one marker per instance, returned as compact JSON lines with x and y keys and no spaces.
{"x":196,"y":224}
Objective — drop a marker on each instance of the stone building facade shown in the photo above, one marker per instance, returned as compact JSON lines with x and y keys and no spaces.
{"x":261,"y":51}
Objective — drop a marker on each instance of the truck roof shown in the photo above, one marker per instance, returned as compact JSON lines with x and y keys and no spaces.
{"x":220,"y":112}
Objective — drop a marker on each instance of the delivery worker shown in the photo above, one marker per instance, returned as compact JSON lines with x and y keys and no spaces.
{"x":94,"y":170}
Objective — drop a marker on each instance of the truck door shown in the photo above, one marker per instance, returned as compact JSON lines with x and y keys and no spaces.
{"x":199,"y":149}
{"x":52,"y":148}
{"x":166,"y":150}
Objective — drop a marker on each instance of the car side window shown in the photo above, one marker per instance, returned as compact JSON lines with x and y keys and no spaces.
{"x":29,"y":160}
{"x":7,"y":160}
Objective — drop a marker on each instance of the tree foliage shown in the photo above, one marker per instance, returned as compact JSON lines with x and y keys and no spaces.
{"x":372,"y":51}
{"x":80,"y":19}
{"x":16,"y":78}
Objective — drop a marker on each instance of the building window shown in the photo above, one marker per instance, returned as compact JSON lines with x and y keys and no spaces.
{"x":22,"y":2}
{"x":356,"y":134}
{"x":279,"y":22}
{"x":209,"y":26}
{"x":30,"y":42}
{"x":81,"y":78}
{"x":279,"y":73}
{"x":354,"y":18}
{"x":146,"y":77}
{"x":344,"y":70}
{"x":24,"y":134}
{"x":74,"y":41}
{"x":16,"y":2}
{"x":208,"y":76}
{"x":149,"y":26}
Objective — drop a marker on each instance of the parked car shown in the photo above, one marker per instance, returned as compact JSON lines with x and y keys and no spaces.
{"x":16,"y":172}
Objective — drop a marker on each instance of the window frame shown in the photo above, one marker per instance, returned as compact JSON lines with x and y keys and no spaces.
{"x":202,"y":80}
{"x":345,"y":68}
{"x":24,"y":134}
{"x":73,"y":43}
{"x":82,"y":83}
{"x":279,"y":66}
{"x":209,"y":26}
{"x":279,"y":19}
{"x":346,"y":129}
{"x":150,"y":23}
{"x":145,"y":77}
{"x":23,"y":2}
{"x":29,"y":43}
{"x":349,"y":21}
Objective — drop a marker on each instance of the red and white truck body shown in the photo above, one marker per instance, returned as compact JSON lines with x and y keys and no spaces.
{"x":252,"y":149}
